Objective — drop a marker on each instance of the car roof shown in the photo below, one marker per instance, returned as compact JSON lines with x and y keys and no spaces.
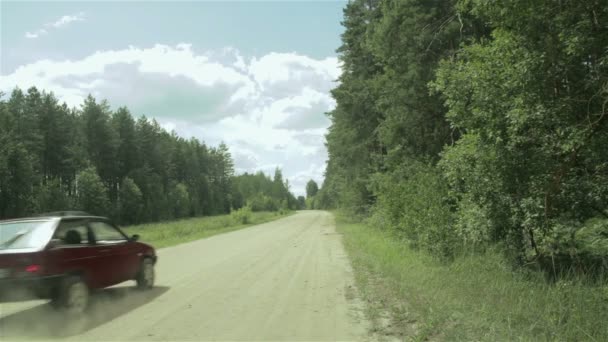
{"x":31,"y":218}
{"x":58,"y":215}
{"x":64,"y":213}
{"x":72,"y":214}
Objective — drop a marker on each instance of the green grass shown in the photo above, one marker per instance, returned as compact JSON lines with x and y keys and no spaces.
{"x":475,"y":298}
{"x":171,"y":233}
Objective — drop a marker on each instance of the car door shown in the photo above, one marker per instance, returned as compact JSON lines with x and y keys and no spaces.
{"x":74,"y":251}
{"x":120,"y":256}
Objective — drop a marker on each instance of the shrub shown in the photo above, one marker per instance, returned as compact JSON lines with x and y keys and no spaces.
{"x":412,"y":201}
{"x":243,"y":215}
{"x":574,"y":249}
{"x":261,"y":202}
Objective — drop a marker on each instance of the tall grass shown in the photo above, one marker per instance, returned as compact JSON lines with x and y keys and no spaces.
{"x":171,"y":233}
{"x":474,"y":298}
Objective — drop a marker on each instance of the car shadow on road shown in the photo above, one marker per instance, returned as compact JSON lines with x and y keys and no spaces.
{"x":43,"y":321}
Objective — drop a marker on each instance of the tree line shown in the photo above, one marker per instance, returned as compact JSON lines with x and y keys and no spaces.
{"x":106,"y":162}
{"x":463,"y":125}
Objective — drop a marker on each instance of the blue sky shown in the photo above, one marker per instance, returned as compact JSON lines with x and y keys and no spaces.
{"x":256,"y":75}
{"x":255,"y":28}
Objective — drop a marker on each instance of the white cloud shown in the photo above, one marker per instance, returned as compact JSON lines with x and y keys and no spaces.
{"x":240,"y":63}
{"x":66,"y":19}
{"x":281,"y":67}
{"x":35,"y":34}
{"x":61,"y":22}
{"x":269,"y":110}
{"x":160,"y":59}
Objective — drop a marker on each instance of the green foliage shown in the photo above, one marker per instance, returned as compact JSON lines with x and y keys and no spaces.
{"x":16,"y":179}
{"x":141,"y":173}
{"x":412,"y":202}
{"x":476,"y":297}
{"x":409,"y":39}
{"x":130,"y":201}
{"x":126,"y":153}
{"x":311,"y":203}
{"x":261,"y":202}
{"x":301,"y":202}
{"x":242,"y":215}
{"x":326,"y":198}
{"x":311,"y":188}
{"x":101,"y":139}
{"x":91,"y":195}
{"x":352,"y":140}
{"x":464,"y":125}
{"x":171,"y":233}
{"x":575,"y":248}
{"x":530,"y":103}
{"x":51,"y":197}
{"x":388,"y":129}
{"x":262,"y":193}
{"x":592,"y":238}
{"x":180,"y":200}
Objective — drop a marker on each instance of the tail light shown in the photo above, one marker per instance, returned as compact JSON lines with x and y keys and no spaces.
{"x":33,"y":269}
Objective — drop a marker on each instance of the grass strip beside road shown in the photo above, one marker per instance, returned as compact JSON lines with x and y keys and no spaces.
{"x":412,"y":296}
{"x":165,"y":234}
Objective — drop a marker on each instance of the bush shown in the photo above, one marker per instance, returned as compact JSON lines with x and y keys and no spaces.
{"x":574,"y":249}
{"x":243,"y":215}
{"x":261,"y":202}
{"x":412,"y":202}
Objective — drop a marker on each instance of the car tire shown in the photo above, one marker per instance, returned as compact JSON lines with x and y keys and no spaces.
{"x":146,"y":275}
{"x":73,"y":297}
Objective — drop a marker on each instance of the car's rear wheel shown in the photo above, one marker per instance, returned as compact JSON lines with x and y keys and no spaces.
{"x":73,"y":296}
{"x":146,"y":275}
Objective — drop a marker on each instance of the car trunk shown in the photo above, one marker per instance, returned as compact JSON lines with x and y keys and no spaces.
{"x":17,"y":270}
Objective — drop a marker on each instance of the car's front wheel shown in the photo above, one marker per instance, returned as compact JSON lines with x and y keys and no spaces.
{"x":146,"y":275}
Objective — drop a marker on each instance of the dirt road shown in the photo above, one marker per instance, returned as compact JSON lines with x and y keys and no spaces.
{"x":285,"y":280}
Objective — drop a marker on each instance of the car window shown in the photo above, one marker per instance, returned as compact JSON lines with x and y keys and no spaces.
{"x":25,"y":234}
{"x":73,"y":233}
{"x":106,"y":234}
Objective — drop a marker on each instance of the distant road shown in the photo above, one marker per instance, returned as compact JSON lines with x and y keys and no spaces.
{"x":288,"y":279}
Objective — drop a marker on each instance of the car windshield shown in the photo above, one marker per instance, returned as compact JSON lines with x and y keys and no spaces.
{"x":25,"y":234}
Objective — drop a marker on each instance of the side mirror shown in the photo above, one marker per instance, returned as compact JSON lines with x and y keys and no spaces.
{"x":134,"y":238}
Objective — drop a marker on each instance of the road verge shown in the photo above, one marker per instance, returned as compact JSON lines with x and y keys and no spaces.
{"x":412,"y":296}
{"x":165,"y":234}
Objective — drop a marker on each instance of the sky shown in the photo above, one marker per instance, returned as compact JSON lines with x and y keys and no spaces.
{"x":255,"y":75}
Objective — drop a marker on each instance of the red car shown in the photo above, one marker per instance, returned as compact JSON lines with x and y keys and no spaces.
{"x":63,"y":256}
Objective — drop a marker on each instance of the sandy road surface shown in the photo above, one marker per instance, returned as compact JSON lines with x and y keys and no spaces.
{"x":289,"y":279}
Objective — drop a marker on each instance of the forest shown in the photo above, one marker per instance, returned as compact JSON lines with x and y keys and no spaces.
{"x":108,"y":163}
{"x":464,"y":125}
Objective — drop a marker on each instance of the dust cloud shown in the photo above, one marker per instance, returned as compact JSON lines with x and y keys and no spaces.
{"x":42,"y":321}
